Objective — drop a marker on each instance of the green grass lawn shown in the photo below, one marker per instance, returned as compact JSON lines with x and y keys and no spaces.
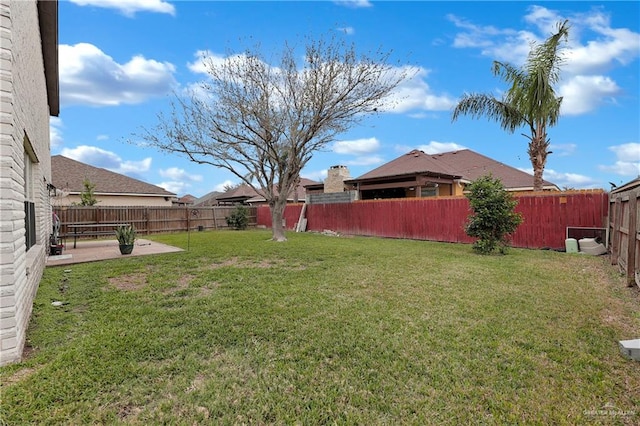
{"x":324,"y":330}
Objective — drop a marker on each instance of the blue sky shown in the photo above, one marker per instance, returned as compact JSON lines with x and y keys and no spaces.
{"x":120,"y":60}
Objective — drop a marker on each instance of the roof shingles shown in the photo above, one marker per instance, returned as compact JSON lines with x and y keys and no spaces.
{"x":463,"y":164}
{"x":69,"y":175}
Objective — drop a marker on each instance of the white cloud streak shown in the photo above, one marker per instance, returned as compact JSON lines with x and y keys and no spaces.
{"x":357,"y":146}
{"x":55,"y":132}
{"x":130,"y":7}
{"x":99,"y":157}
{"x":177,"y":174}
{"x":627,"y":160}
{"x":354,"y":4}
{"x":435,"y":147}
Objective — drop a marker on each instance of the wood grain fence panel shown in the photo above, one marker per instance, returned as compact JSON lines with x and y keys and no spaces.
{"x":546,"y":217}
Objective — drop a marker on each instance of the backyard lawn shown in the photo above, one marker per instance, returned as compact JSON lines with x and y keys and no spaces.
{"x":323,"y":330}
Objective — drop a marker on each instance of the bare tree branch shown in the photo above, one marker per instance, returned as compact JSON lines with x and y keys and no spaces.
{"x":263,"y":123}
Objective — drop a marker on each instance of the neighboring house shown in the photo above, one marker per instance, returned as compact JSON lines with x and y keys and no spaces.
{"x":208,"y":200}
{"x":28,"y":97}
{"x":111,"y":189}
{"x":417,"y":174}
{"x":185,"y":200}
{"x":244,"y":194}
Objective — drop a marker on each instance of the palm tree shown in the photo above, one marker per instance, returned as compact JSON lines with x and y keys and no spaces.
{"x":530,"y":101}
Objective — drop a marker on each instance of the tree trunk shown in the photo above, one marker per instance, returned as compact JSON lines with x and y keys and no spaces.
{"x":277,"y":216}
{"x":538,"y":151}
{"x":537,"y":178}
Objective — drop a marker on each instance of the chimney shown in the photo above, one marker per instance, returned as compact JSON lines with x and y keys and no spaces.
{"x":336,"y":176}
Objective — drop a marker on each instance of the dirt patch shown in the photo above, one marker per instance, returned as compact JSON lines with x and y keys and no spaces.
{"x":129,"y":412}
{"x":129,"y":282}
{"x":196,"y":384}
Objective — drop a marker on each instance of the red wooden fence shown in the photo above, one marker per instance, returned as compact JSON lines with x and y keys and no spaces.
{"x":546,"y":217}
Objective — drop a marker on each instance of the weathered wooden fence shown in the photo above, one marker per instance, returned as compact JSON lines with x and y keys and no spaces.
{"x":546,"y":217}
{"x":624,"y":228}
{"x":151,"y":220}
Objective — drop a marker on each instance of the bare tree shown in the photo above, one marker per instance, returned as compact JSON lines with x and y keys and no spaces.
{"x":263,"y":123}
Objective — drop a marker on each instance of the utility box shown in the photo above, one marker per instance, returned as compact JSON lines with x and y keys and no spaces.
{"x":571,"y":245}
{"x":630,"y":349}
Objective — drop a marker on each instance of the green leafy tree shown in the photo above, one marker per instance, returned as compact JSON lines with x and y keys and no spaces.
{"x":239,"y":218}
{"x":87,"y":196}
{"x":530,"y":101}
{"x":493,"y":218}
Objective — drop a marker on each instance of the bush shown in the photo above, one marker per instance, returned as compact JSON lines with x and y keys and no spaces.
{"x":239,"y":218}
{"x":493,"y":218}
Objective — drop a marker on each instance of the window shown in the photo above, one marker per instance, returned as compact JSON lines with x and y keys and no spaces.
{"x":428,"y":191}
{"x":29,"y":200}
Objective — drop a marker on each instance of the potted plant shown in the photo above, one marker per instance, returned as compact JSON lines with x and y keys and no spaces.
{"x":126,"y":235}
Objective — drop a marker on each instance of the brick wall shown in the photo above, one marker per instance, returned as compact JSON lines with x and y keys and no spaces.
{"x":24,"y":135}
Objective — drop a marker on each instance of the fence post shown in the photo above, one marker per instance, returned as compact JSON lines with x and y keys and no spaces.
{"x":615,"y":217}
{"x":148,"y":223}
{"x":633,"y":232}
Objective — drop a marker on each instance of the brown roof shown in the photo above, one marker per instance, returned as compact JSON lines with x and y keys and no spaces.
{"x":186,"y":199}
{"x":69,"y":175}
{"x":244,"y":192}
{"x":465,"y":164}
{"x":409,"y":164}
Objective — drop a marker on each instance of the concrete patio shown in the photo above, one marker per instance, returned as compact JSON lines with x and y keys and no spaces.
{"x":95,"y":250}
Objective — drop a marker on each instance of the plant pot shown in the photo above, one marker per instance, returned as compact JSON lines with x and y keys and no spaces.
{"x":55,"y":249}
{"x":126,"y":248}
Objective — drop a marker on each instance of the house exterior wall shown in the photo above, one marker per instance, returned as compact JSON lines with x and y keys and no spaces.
{"x":116,"y":200}
{"x":24,"y":140}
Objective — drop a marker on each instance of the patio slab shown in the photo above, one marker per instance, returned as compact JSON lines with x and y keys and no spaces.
{"x":95,"y":250}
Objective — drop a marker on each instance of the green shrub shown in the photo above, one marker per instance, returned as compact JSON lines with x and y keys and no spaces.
{"x":239,"y":218}
{"x":493,"y":218}
{"x":126,"y":234}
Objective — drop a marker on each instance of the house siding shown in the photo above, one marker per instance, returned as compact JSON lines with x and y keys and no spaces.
{"x":24,"y":128}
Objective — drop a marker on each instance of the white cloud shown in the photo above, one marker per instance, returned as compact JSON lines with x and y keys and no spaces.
{"x":593,"y":48}
{"x":177,"y":174}
{"x":204,"y":58}
{"x":221,"y":186}
{"x":415,"y":94}
{"x":99,"y":157}
{"x":90,"y":77}
{"x":412,"y":94}
{"x":435,"y":147}
{"x":627,"y":160}
{"x":566,"y":180}
{"x":614,"y":45}
{"x":357,"y":146}
{"x":502,"y":44}
{"x":582,"y":94}
{"x":102,"y":137}
{"x":175,"y":187}
{"x":370,"y":160}
{"x":130,"y":7}
{"x":354,"y":4}
{"x":347,"y":30}
{"x":55,"y":132}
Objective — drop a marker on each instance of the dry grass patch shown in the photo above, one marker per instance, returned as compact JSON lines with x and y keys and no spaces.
{"x":129,"y":282}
